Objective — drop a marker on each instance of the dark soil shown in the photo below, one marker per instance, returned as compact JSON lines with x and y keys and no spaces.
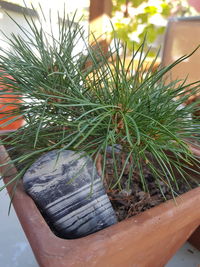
{"x":132,"y":200}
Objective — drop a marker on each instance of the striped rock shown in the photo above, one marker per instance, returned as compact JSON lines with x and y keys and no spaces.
{"x":70,"y":193}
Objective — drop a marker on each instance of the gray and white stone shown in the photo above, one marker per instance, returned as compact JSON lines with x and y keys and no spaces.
{"x":67,"y":188}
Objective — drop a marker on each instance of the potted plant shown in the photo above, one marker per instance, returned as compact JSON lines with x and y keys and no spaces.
{"x":101,"y":106}
{"x":8,"y":102}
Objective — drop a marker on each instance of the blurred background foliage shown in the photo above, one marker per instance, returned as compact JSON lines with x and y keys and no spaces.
{"x":133,"y":19}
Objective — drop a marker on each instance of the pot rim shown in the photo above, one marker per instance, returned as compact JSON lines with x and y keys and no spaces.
{"x":46,"y":245}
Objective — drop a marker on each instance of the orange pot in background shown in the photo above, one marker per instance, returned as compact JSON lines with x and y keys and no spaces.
{"x":7,"y":103}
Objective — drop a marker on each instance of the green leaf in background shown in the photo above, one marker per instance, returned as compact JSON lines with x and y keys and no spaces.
{"x":165,"y":9}
{"x":151,"y":10}
{"x":137,"y":3}
{"x":144,"y":17}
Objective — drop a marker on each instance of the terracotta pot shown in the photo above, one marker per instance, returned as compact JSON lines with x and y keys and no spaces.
{"x":148,"y":239}
{"x":5,"y":99}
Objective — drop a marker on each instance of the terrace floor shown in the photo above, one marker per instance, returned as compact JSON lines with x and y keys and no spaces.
{"x":16,"y":252}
